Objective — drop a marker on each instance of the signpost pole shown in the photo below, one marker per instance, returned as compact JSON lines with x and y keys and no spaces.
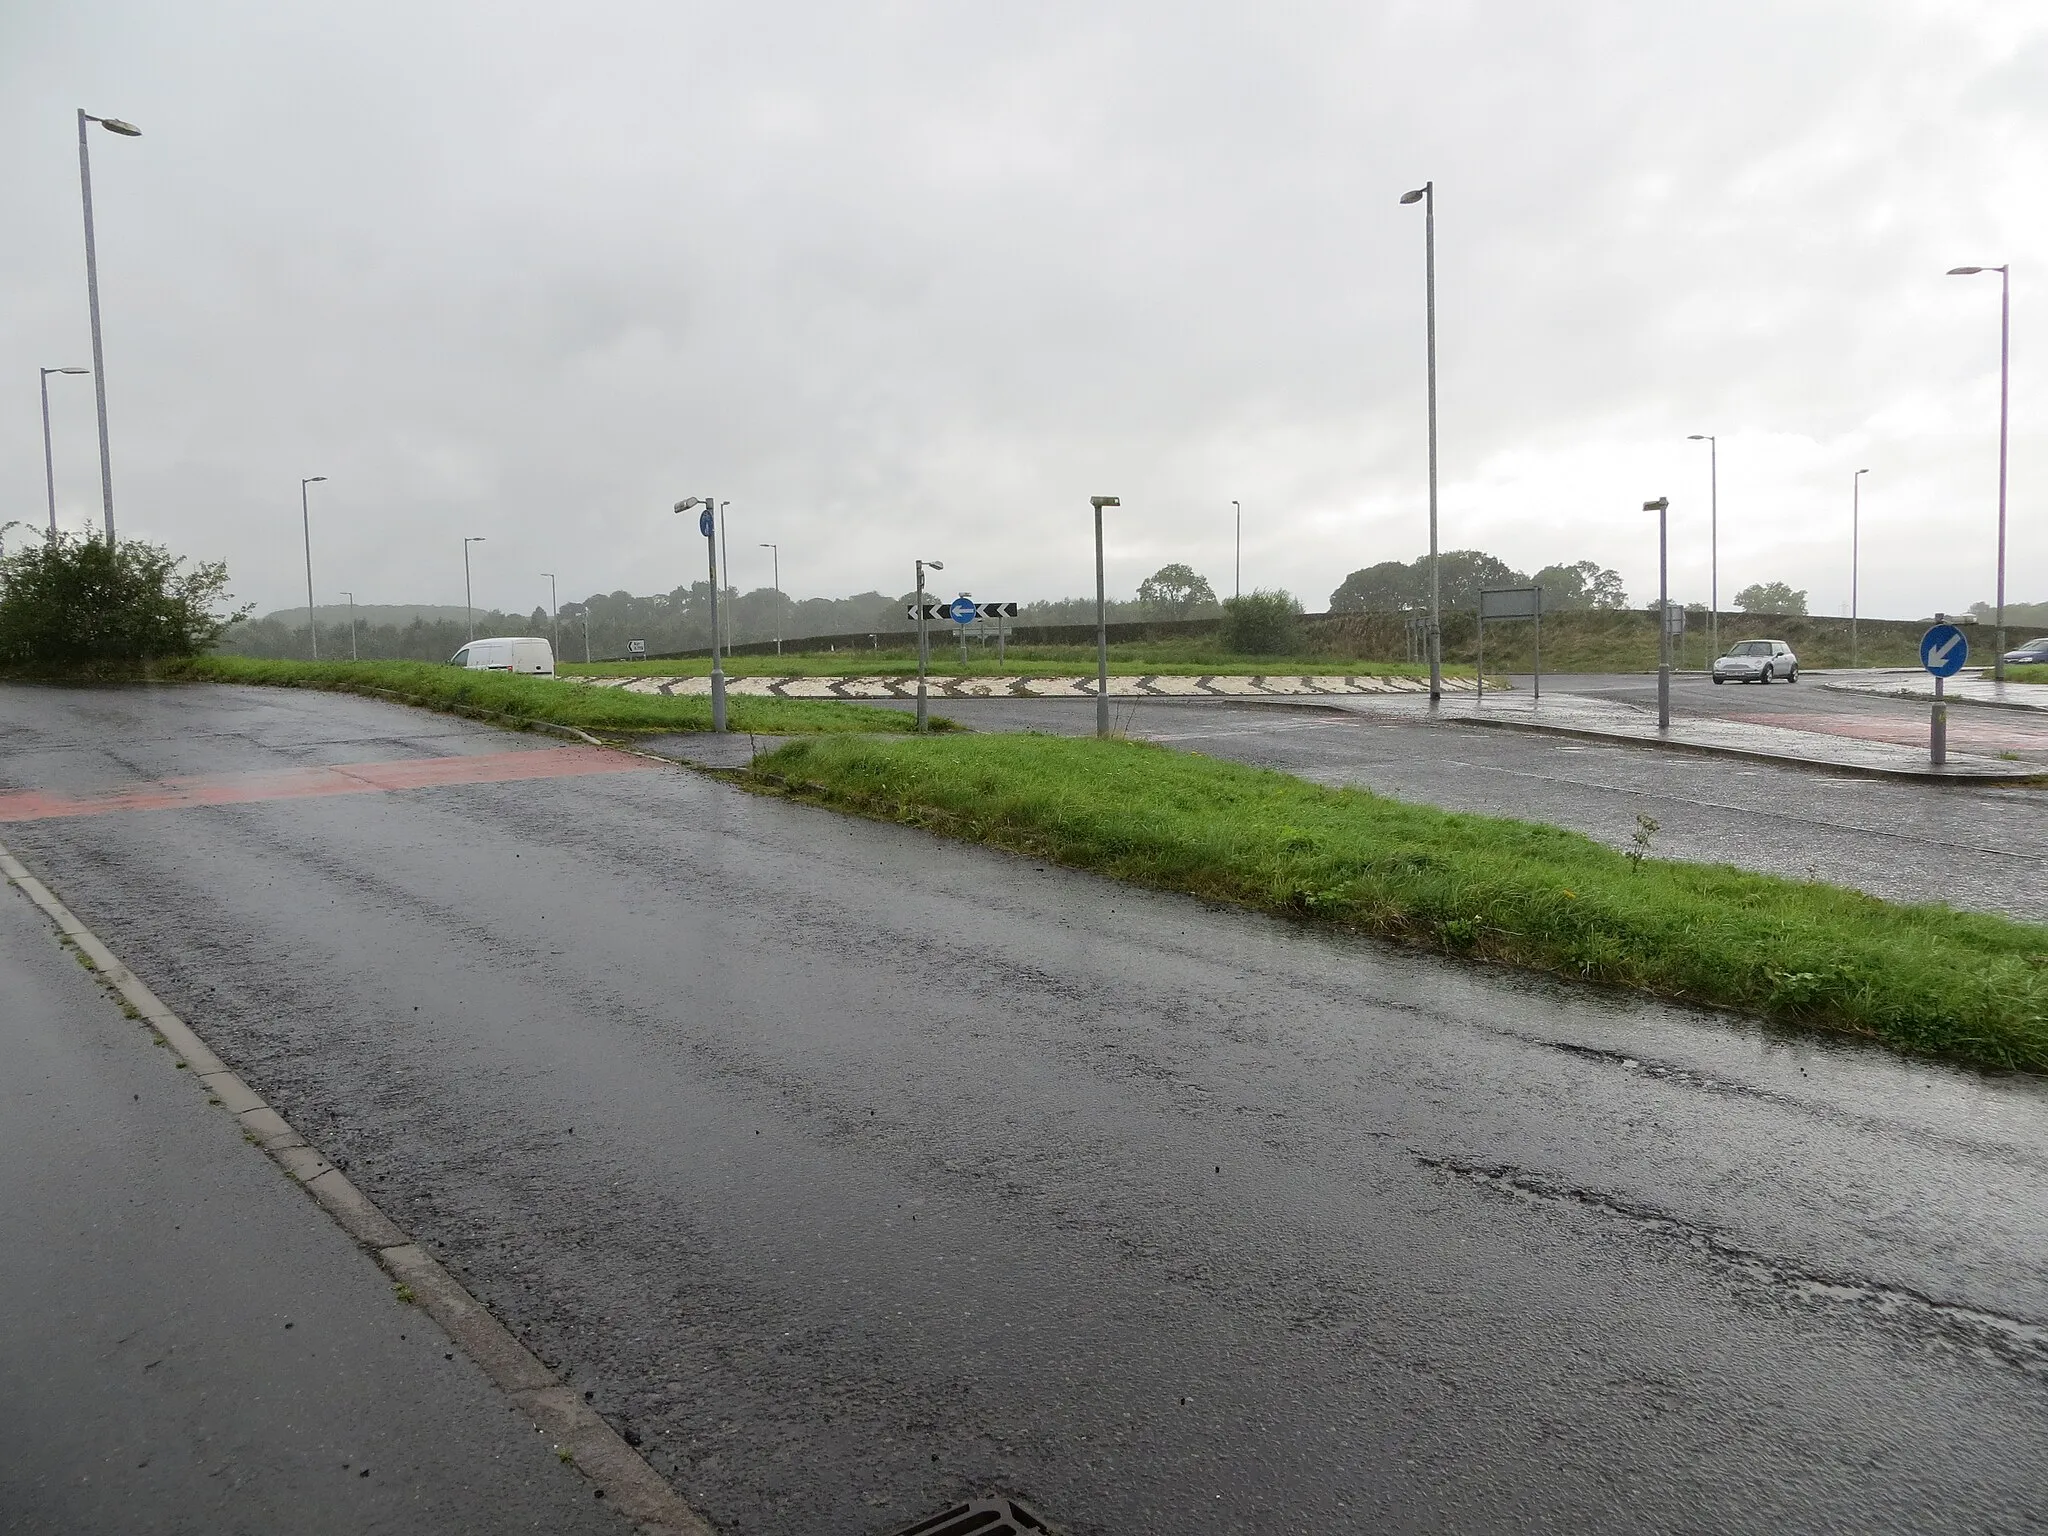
{"x":1662,"y":506}
{"x":1937,"y":727}
{"x":920,"y":647}
{"x":1539,"y":645}
{"x":1481,"y":696}
{"x":1101,"y":624}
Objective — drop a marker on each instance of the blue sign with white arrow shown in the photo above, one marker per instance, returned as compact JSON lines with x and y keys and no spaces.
{"x":963,"y":610}
{"x":1943,"y":650}
{"x":704,"y":522}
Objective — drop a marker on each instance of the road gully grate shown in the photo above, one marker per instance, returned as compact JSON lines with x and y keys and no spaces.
{"x":995,"y":1516}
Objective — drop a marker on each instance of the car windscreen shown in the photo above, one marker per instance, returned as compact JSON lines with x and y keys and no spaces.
{"x":1749,"y":647}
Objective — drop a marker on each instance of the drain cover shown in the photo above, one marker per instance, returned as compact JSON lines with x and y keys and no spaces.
{"x":997,"y":1516}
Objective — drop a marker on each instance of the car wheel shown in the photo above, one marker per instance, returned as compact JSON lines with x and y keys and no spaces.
{"x":1718,"y":679}
{"x":1792,"y":676}
{"x":1766,"y":678}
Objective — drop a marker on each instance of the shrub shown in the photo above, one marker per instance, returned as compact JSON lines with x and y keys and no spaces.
{"x":1261,"y":623}
{"x":74,"y":603}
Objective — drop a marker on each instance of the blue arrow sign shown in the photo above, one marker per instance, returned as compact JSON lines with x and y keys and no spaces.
{"x":963,"y":610}
{"x":704,"y":522}
{"x":1943,"y":650}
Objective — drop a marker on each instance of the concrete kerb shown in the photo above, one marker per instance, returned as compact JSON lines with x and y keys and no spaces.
{"x":622,"y":1476}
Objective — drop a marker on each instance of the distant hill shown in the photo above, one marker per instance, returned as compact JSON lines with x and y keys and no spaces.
{"x":371,"y":613}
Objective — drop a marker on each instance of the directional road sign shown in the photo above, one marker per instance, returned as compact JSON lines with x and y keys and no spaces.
{"x":1943,"y":650}
{"x":704,"y":524}
{"x":962,"y":610}
{"x":636,"y":647}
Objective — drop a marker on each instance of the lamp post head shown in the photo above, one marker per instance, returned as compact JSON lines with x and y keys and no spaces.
{"x":1099,"y":502}
{"x":1412,"y":197}
{"x":934,"y":565}
{"x":1699,"y":437}
{"x":1964,"y":271}
{"x":312,"y":479}
{"x":67,"y":370}
{"x":115,"y":125}
{"x":691,"y":501}
{"x":1662,"y":503}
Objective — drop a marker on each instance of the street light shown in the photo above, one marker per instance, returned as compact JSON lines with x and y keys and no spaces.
{"x":1661,"y":506}
{"x":776,"y":554}
{"x":707,"y":524}
{"x":1237,"y":571}
{"x":1426,"y":195}
{"x":306,"y":527}
{"x":555,"y":614}
{"x":2004,"y":400}
{"x":1855,"y":551}
{"x":469,"y":603}
{"x":1713,"y":539}
{"x":49,"y":464}
{"x":1101,"y":622}
{"x":922,"y":567}
{"x":351,"y":626}
{"x":92,"y":299}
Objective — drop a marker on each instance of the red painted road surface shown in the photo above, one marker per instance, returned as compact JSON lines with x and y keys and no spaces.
{"x":345,"y":779}
{"x":1966,"y":732}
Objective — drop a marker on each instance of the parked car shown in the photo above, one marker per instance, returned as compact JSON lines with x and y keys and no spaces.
{"x":2033,"y":653}
{"x":1757,"y":661}
{"x":521,"y":654}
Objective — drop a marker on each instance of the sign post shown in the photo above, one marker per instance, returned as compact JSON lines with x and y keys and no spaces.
{"x":1511,"y":603}
{"x":1943,"y":650}
{"x":707,"y":525}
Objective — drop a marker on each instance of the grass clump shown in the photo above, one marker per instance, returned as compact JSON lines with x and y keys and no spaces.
{"x":2031,"y":672}
{"x":541,"y":698}
{"x":1924,"y":979}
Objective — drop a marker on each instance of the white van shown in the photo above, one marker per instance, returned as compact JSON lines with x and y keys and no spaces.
{"x":521,"y":655}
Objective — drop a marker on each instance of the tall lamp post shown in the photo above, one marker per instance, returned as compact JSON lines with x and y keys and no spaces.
{"x":1661,"y":506}
{"x":1855,"y":552}
{"x":554,"y":613}
{"x":468,"y":602}
{"x":49,"y":463}
{"x":92,"y":299}
{"x":2004,"y":402}
{"x":306,"y":528}
{"x":1713,"y":541}
{"x":1426,"y":195}
{"x":922,"y":567}
{"x":1101,"y":623}
{"x":775,"y":553}
{"x":1237,"y":569}
{"x":707,"y":524}
{"x":351,"y":626}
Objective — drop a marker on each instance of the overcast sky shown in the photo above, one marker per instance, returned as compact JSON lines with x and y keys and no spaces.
{"x":917,"y":279}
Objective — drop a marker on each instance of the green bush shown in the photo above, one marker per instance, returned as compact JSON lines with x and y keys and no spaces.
{"x":1261,"y":624}
{"x":80,"y":604}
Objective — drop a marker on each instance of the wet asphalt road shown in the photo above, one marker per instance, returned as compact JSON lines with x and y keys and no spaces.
{"x":855,"y":1171}
{"x":187,"y":1343}
{"x":1981,"y":848}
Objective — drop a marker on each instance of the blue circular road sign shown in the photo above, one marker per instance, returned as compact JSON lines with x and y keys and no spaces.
{"x":963,"y":610}
{"x":704,"y":522}
{"x":1944,"y":649}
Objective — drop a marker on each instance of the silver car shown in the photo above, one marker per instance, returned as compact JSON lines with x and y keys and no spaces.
{"x":1757,"y":661}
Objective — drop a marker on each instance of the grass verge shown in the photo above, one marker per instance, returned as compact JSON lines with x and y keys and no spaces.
{"x":1923,"y":979}
{"x":541,"y":698}
{"x":2028,"y":673}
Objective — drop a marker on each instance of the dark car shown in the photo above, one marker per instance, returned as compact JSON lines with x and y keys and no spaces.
{"x":2034,"y":652}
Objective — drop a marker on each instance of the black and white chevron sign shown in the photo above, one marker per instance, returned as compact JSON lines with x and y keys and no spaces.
{"x":943,"y":612}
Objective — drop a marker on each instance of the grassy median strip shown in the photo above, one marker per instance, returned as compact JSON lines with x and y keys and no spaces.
{"x":1923,"y":979}
{"x":540,"y":698}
